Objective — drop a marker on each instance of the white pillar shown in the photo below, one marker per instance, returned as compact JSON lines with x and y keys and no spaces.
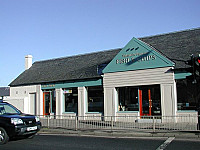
{"x":59,"y":101}
{"x":82,"y":101}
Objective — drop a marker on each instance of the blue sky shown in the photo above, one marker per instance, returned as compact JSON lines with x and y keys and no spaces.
{"x":50,"y":29}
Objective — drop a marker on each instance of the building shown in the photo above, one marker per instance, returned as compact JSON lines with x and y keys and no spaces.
{"x":137,"y":80}
{"x":4,"y":93}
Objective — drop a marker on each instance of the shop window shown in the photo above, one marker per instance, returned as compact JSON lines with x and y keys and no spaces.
{"x":95,"y":99}
{"x":71,"y":100}
{"x":53,"y":109}
{"x":128,"y":99}
{"x":188,"y":95}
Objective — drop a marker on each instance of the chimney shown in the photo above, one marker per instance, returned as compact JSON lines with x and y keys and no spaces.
{"x":28,"y":61}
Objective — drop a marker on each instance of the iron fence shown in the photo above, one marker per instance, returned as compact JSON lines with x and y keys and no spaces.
{"x":138,"y":123}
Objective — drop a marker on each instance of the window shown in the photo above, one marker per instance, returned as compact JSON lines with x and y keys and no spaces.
{"x":128,"y":99}
{"x":71,"y":100}
{"x":95,"y":99}
{"x":49,"y":99}
{"x":8,"y":109}
{"x":53,"y":105}
{"x":187,"y":95}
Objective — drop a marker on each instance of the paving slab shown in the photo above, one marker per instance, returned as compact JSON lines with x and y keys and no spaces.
{"x":120,"y":133}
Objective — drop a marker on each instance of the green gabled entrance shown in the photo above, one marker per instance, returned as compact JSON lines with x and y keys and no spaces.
{"x":137,"y":55}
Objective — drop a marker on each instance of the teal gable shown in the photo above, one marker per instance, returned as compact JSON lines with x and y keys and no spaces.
{"x":137,"y":55}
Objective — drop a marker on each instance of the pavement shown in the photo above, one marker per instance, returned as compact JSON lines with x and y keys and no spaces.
{"x":121,"y":133}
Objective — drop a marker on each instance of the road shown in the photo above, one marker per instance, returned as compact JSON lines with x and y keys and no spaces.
{"x":65,"y":142}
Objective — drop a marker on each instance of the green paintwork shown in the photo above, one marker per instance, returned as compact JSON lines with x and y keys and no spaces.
{"x":137,"y":55}
{"x":95,"y":82}
{"x":181,"y":75}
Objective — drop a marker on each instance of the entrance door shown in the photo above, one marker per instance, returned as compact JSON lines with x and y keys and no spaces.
{"x":145,"y":101}
{"x":150,"y":100}
{"x":33,"y":104}
{"x":47,"y":103}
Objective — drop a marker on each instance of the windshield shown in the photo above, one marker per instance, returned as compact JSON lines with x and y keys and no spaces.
{"x":6,"y":109}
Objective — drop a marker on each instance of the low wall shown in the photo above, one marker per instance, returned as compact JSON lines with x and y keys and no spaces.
{"x":187,"y":116}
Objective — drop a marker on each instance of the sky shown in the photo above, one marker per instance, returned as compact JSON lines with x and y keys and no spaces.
{"x":48,"y":29}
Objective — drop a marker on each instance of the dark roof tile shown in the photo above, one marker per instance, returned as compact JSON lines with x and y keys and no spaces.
{"x":4,"y":91}
{"x":66,"y":68}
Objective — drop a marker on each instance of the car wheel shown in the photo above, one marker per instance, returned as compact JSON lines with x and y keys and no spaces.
{"x":3,"y":136}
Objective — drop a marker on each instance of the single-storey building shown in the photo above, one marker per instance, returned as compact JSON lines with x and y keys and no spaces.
{"x":4,"y":93}
{"x":139,"y":79}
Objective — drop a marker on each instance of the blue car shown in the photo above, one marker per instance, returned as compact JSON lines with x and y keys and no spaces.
{"x":14,"y":123}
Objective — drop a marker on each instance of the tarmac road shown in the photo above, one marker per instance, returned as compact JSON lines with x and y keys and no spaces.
{"x":76,"y":142}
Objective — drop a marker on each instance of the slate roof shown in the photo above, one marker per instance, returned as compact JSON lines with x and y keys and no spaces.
{"x":176,"y":46}
{"x":66,"y":68}
{"x":4,"y":91}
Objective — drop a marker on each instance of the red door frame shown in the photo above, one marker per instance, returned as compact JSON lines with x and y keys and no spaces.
{"x":44,"y":103}
{"x":150,"y":102}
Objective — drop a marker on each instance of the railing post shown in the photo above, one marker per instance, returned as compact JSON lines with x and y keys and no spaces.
{"x":76,"y":123}
{"x":111,"y":123}
{"x":154,"y":126}
{"x":48,"y":122}
{"x":198,"y":119}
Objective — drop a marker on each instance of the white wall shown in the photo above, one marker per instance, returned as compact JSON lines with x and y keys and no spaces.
{"x":18,"y":103}
{"x":20,"y":97}
{"x":162,"y":76}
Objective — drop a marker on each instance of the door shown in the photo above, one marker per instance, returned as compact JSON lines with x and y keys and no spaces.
{"x":33,"y":103}
{"x":46,"y":103}
{"x":150,"y":100}
{"x":145,"y":101}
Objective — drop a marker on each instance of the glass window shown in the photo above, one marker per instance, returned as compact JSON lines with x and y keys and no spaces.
{"x":155,"y":99}
{"x":53,"y":109}
{"x":95,"y":99}
{"x":128,"y":99}
{"x":49,"y":101}
{"x":8,"y":109}
{"x":186,"y":97}
{"x":71,"y":100}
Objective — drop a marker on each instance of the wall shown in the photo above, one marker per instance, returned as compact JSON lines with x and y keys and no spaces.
{"x":18,"y":103}
{"x":187,"y":116}
{"x":162,"y":76}
{"x":127,"y":116}
{"x":20,"y":97}
{"x":82,"y":106}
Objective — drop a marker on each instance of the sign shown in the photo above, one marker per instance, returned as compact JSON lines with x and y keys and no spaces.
{"x":48,"y":85}
{"x":67,"y":91}
{"x":137,"y":57}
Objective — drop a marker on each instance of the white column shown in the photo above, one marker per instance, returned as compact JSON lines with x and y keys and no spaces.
{"x":175,"y":98}
{"x":59,"y":101}
{"x":39,"y":100}
{"x":82,"y":101}
{"x":109,"y":102}
{"x":167,"y":100}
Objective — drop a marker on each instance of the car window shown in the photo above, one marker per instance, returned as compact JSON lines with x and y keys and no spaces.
{"x":8,"y":109}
